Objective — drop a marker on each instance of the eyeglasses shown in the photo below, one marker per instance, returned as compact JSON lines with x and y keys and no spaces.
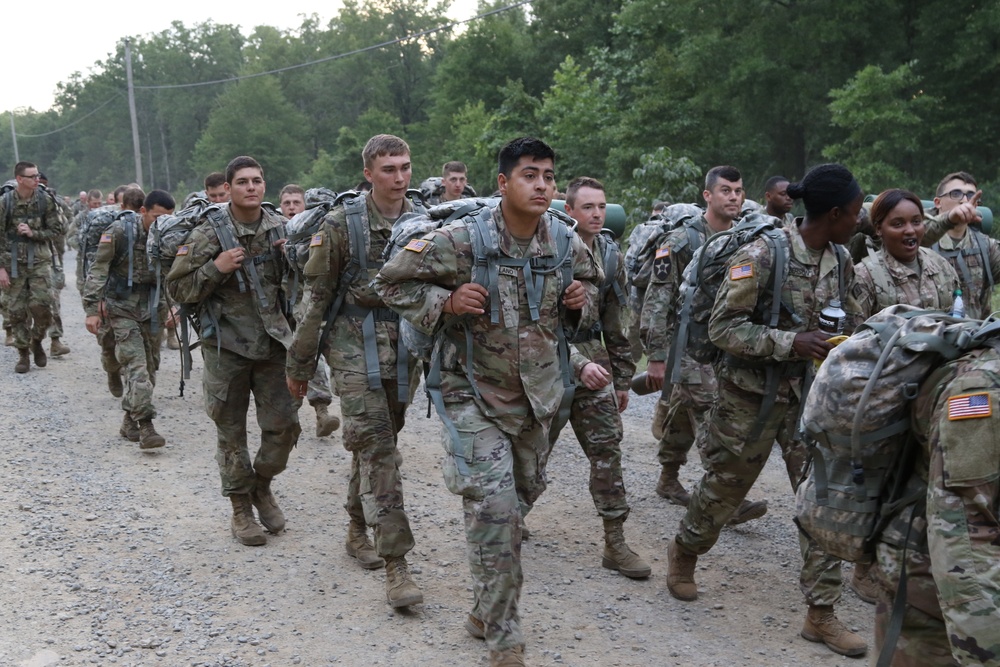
{"x":959,"y":195}
{"x":33,"y":176}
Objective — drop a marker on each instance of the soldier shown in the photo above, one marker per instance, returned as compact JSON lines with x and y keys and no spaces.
{"x":291,"y":200}
{"x":57,"y":348}
{"x":29,"y":220}
{"x":752,"y":412}
{"x":974,"y":255}
{"x":236,"y":293}
{"x":602,"y":360}
{"x":503,"y":401}
{"x":689,"y":399}
{"x":362,"y":354}
{"x":777,"y":203}
{"x":117,"y":291}
{"x":215,"y":188}
{"x":455,"y":178}
{"x":952,"y":588}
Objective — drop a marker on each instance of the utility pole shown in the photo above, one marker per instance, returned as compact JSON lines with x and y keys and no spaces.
{"x":13,"y":136}
{"x":131,"y":111}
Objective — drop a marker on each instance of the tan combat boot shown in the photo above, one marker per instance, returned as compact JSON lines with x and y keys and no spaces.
{"x":9,"y":342}
{"x":670,"y":487}
{"x":38,"y":352}
{"x":822,"y":625}
{"x":360,"y":547}
{"x":57,"y":349}
{"x":475,"y":627}
{"x":172,"y":341}
{"x":680,"y":572}
{"x":748,"y":511}
{"x":400,"y":590}
{"x":512,"y":657}
{"x":115,"y":384}
{"x":864,"y":584}
{"x":618,"y":555}
{"x":267,"y":507}
{"x":23,"y":361}
{"x":325,"y":422}
{"x":129,"y":429}
{"x":243,"y":525}
{"x":148,"y":437}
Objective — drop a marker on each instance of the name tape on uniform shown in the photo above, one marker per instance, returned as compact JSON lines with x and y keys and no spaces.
{"x":740,"y":272}
{"x":969,"y":406}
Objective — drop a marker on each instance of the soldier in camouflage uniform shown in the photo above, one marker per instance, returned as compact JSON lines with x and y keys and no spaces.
{"x":777,"y":203}
{"x":953,"y":590}
{"x":602,"y":360}
{"x":974,"y":255}
{"x":750,"y":415}
{"x":373,"y":416}
{"x":29,"y":220}
{"x":57,"y":348}
{"x":503,"y":421}
{"x":236,"y":293}
{"x":127,"y":310}
{"x":689,"y":399}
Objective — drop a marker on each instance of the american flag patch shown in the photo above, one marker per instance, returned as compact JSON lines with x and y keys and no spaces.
{"x":417,"y":245}
{"x":969,"y":406}
{"x":183,"y":250}
{"x":317,"y":240}
{"x":663,"y":252}
{"x":106,"y":237}
{"x":740,"y":272}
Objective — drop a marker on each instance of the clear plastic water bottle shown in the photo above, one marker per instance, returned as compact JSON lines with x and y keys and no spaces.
{"x":958,"y":308}
{"x":831,"y":318}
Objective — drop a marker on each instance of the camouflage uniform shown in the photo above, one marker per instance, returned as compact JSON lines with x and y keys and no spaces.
{"x":881,"y":280}
{"x":967,"y":262}
{"x":953,"y":587}
{"x":689,"y":399}
{"x":504,"y":429}
{"x":737,"y":444}
{"x":88,"y":244}
{"x":594,"y":416}
{"x":245,"y":351}
{"x":372,"y":418}
{"x":28,"y":300}
{"x":128,"y":310}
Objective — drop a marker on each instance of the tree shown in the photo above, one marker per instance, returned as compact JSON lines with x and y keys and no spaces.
{"x":660,"y":176}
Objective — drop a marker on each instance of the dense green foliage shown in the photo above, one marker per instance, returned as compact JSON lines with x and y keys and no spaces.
{"x":644,"y":94}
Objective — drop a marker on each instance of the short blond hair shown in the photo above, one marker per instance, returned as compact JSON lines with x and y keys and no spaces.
{"x":383,"y":144}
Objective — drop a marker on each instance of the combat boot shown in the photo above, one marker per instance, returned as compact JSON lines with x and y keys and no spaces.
{"x":670,"y":487}
{"x":243,"y":525}
{"x":400,"y":590}
{"x":618,"y":556}
{"x":822,"y":625}
{"x":9,"y":342}
{"x":23,"y":361}
{"x":148,"y":437}
{"x":680,"y":572}
{"x":115,"y":384}
{"x":267,"y":507}
{"x":172,"y":341}
{"x":864,"y":584}
{"x":129,"y":429}
{"x":38,"y":352}
{"x":475,"y":627}
{"x":360,"y":547}
{"x":325,"y":422}
{"x":57,"y":349}
{"x":748,"y":511}
{"x":512,"y":657}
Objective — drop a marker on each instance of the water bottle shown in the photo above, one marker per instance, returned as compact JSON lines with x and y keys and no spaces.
{"x":831,"y":318}
{"x":958,"y":308}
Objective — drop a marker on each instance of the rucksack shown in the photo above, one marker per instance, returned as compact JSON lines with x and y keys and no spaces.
{"x":95,"y":223}
{"x":432,"y":188}
{"x":301,"y":229}
{"x":647,"y":238}
{"x":608,"y":247}
{"x":980,"y":247}
{"x":856,"y":419}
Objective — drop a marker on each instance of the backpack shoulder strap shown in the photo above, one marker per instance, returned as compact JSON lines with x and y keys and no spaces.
{"x":983,"y":246}
{"x":881,"y":277}
{"x":610,"y":254}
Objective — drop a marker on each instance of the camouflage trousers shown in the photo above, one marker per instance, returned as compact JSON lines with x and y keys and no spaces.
{"x":732,"y":464}
{"x":137,"y":351}
{"x":29,"y":303}
{"x":58,"y":282}
{"x":598,"y":427}
{"x":109,"y":357}
{"x":372,"y":420}
{"x":228,"y":380}
{"x":686,"y":412}
{"x":504,"y":476}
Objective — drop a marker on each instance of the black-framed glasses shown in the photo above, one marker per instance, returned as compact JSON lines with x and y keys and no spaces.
{"x":34,"y":176}
{"x":959,"y":195}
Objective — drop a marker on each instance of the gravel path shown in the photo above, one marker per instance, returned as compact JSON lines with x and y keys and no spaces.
{"x":116,"y":556}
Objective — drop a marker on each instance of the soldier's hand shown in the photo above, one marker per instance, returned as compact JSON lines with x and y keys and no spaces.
{"x":966,"y":212}
{"x":594,"y":376}
{"x":467,"y":299}
{"x":229,"y":261}
{"x":812,"y":345}
{"x":93,"y":322}
{"x":575,"y":296}
{"x":654,"y":375}
{"x":280,"y":243}
{"x":297,"y":388}
{"x":24,"y":230}
{"x":4,"y":278}
{"x":622,"y":400}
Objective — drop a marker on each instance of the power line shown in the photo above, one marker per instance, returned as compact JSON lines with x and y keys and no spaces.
{"x":78,"y":120}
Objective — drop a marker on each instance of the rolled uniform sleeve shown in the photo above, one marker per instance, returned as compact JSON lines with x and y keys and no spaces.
{"x":416,"y":283}
{"x":97,"y":277}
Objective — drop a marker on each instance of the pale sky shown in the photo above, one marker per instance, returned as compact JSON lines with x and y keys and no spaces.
{"x":49,"y":45}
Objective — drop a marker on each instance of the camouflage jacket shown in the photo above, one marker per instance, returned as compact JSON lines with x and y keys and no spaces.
{"x":329,"y":256}
{"x":881,"y":280}
{"x":812,"y":282}
{"x":515,"y":363}
{"x":108,"y":277}
{"x":970,"y":268}
{"x":956,"y":419}
{"x":45,"y":228}
{"x":245,"y":325}
{"x":610,"y":348}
